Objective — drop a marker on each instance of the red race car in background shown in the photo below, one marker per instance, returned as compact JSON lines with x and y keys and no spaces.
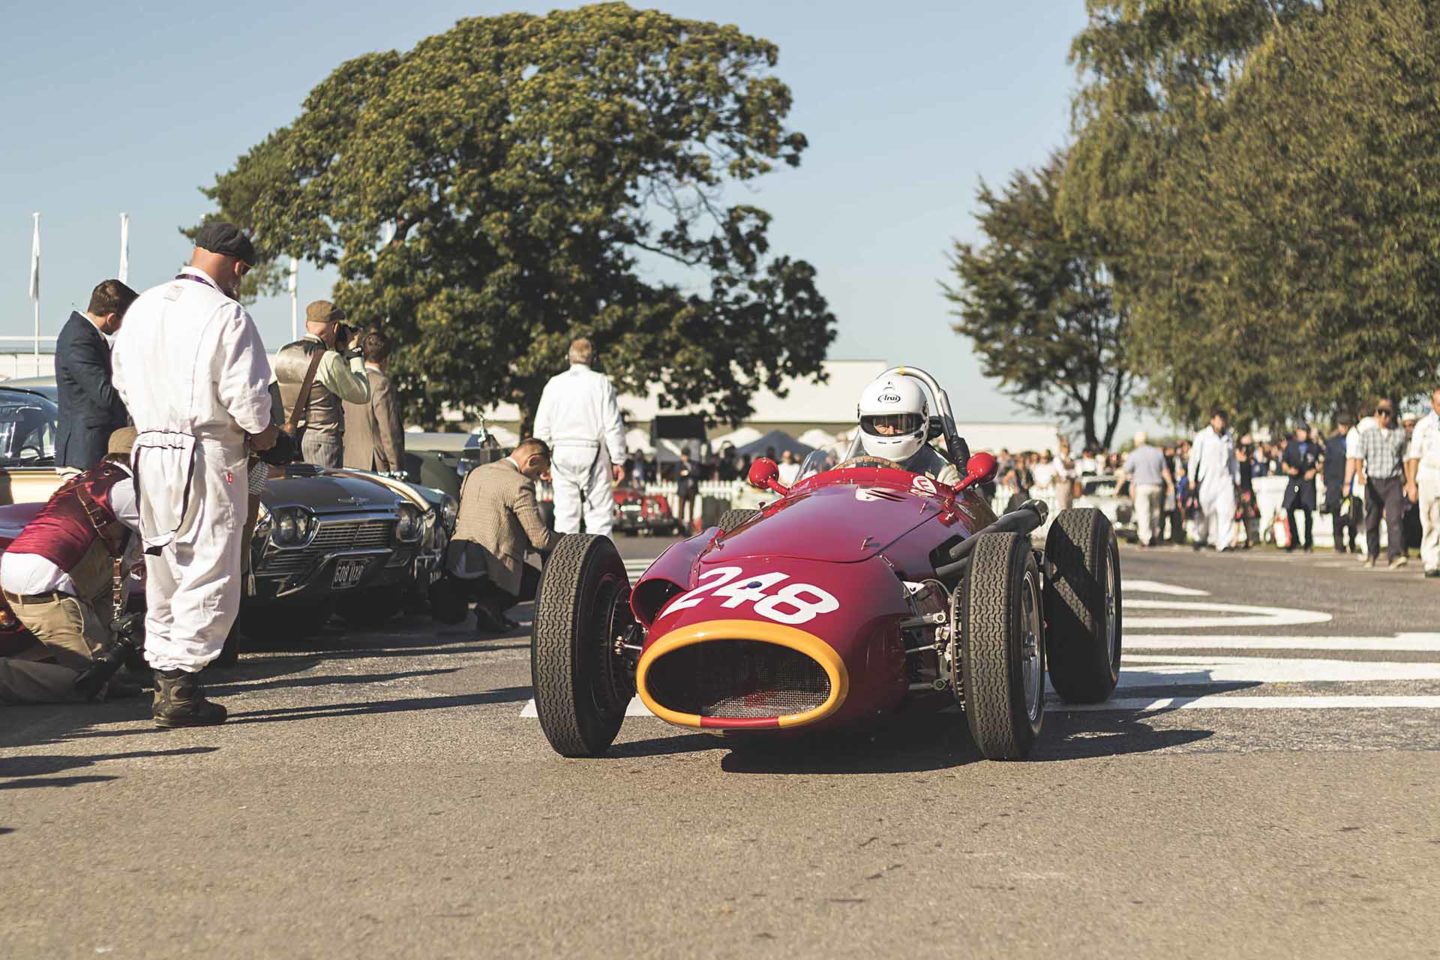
{"x":860,"y":587}
{"x":636,"y":513}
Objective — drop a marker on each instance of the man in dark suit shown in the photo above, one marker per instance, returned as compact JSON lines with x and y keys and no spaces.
{"x":1337,"y":504}
{"x":374,"y":435}
{"x":1301,"y":462}
{"x":90,"y":406}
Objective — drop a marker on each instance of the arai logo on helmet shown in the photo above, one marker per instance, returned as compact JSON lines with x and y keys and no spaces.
{"x":889,"y":396}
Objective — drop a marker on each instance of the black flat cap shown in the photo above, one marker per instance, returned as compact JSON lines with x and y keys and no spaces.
{"x":220,"y":237}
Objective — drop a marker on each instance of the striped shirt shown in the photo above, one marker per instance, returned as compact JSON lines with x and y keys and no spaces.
{"x":1382,"y":450}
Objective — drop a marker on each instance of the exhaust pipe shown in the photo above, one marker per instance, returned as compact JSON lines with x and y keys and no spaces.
{"x":1031,"y":514}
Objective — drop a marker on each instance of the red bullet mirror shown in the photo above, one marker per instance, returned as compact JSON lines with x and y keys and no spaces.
{"x":765,"y":475}
{"x":980,"y":469}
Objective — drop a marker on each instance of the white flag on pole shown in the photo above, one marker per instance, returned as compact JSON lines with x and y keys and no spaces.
{"x":294,"y":275}
{"x":124,"y":247}
{"x":35,"y":263}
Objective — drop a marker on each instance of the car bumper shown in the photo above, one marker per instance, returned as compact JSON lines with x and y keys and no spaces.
{"x":317,"y":580}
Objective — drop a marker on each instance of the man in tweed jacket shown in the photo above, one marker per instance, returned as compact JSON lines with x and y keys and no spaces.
{"x":497,"y":524}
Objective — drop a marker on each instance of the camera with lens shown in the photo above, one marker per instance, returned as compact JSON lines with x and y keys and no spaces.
{"x":344,"y":335}
{"x":129,"y":633}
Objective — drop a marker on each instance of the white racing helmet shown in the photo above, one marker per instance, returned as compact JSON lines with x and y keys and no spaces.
{"x":894,"y":418}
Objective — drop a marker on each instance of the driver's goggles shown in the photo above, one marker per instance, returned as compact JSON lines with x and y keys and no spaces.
{"x":891,"y":424}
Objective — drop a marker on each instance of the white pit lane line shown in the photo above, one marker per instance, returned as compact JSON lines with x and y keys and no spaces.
{"x":1143,"y":671}
{"x":1400,"y":642}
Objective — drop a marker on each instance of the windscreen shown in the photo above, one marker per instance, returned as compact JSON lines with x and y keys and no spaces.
{"x":27,"y":432}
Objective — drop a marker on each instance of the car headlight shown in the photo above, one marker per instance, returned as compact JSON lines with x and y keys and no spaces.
{"x":291,"y":527}
{"x":407,"y":528}
{"x":449,"y":511}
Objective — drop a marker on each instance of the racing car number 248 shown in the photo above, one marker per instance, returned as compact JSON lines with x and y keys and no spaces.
{"x":795,"y":603}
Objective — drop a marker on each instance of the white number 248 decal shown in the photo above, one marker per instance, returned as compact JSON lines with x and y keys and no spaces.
{"x":795,"y":603}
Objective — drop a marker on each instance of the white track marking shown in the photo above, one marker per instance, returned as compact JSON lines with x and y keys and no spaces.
{"x":1232,"y":702}
{"x":1419,"y":642}
{"x":635,"y":709}
{"x":1160,"y":671}
{"x":1233,"y":615}
{"x":1155,"y":586}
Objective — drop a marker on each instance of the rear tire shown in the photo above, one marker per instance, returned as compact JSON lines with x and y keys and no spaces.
{"x":581,"y":687}
{"x":1083,"y":606}
{"x":731,"y":519}
{"x":1002,"y":646}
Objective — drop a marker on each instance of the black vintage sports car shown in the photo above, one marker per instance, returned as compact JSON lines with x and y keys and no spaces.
{"x":327,"y":542}
{"x":348,"y":542}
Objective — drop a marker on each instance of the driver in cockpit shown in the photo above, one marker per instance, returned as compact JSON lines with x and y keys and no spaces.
{"x":894,"y":423}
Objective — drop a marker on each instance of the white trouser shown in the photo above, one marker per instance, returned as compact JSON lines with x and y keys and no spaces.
{"x":581,"y":474}
{"x":192,"y":589}
{"x":1217,"y":506}
{"x":1147,"y":510}
{"x":1428,"y":481}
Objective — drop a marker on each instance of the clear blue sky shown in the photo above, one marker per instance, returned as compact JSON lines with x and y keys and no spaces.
{"x":907,"y":105}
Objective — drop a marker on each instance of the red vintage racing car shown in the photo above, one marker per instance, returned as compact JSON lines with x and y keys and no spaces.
{"x":860,"y":587}
{"x":637,"y":512}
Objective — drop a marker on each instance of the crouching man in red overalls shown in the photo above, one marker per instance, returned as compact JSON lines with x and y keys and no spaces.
{"x":59,"y":578}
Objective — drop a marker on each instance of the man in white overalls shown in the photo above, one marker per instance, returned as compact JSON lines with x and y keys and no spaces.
{"x":579,"y":417}
{"x":192,"y":370}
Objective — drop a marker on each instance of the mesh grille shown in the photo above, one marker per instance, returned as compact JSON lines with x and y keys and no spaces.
{"x":333,"y":535}
{"x":737,"y":679}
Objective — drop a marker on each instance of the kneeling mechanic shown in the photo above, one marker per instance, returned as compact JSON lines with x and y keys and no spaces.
{"x":497,"y":523}
{"x":59,"y":579}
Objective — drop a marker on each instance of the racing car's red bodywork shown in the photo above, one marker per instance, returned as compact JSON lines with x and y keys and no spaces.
{"x":822,"y":573}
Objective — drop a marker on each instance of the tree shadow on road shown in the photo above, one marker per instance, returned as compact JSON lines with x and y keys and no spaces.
{"x":27,"y":772}
{"x":220,"y":688}
{"x":376,"y":707}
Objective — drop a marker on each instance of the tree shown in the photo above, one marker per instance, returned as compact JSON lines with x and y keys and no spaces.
{"x":1287,"y":264}
{"x":548,"y":177}
{"x":1036,"y":300}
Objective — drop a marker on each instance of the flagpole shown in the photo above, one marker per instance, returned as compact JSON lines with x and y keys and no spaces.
{"x":294,"y":299}
{"x":124,"y":248}
{"x":35,"y":288}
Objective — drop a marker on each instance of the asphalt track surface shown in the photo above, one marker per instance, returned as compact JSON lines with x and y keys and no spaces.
{"x":1265,"y":785}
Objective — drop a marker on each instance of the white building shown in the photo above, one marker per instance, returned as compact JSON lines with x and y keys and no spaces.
{"x":809,"y":411}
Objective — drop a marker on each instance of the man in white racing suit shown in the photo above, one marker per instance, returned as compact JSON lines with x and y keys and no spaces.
{"x":579,"y":417}
{"x":192,"y":370}
{"x":1216,"y":473}
{"x":894,"y":423}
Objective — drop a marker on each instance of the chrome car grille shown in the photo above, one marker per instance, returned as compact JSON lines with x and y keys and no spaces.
{"x":737,"y":679}
{"x":333,"y":536}
{"x":352,"y":534}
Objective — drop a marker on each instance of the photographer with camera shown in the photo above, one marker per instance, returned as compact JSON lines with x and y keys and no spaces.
{"x":62,"y":579}
{"x":317,"y":374}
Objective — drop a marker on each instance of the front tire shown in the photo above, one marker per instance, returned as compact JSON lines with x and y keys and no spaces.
{"x":581,"y":687}
{"x":1002,"y":646}
{"x":1083,"y":606}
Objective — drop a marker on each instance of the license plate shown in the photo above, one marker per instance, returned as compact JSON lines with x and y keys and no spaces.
{"x":348,"y":573}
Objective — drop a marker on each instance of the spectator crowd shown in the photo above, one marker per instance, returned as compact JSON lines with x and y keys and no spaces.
{"x":1382,"y":471}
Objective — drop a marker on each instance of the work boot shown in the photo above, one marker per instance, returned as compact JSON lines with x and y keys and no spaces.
{"x":180,"y":701}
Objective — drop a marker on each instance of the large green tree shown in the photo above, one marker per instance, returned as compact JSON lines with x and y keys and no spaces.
{"x":1286,"y":264}
{"x":1036,"y":301}
{"x":547,"y":177}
